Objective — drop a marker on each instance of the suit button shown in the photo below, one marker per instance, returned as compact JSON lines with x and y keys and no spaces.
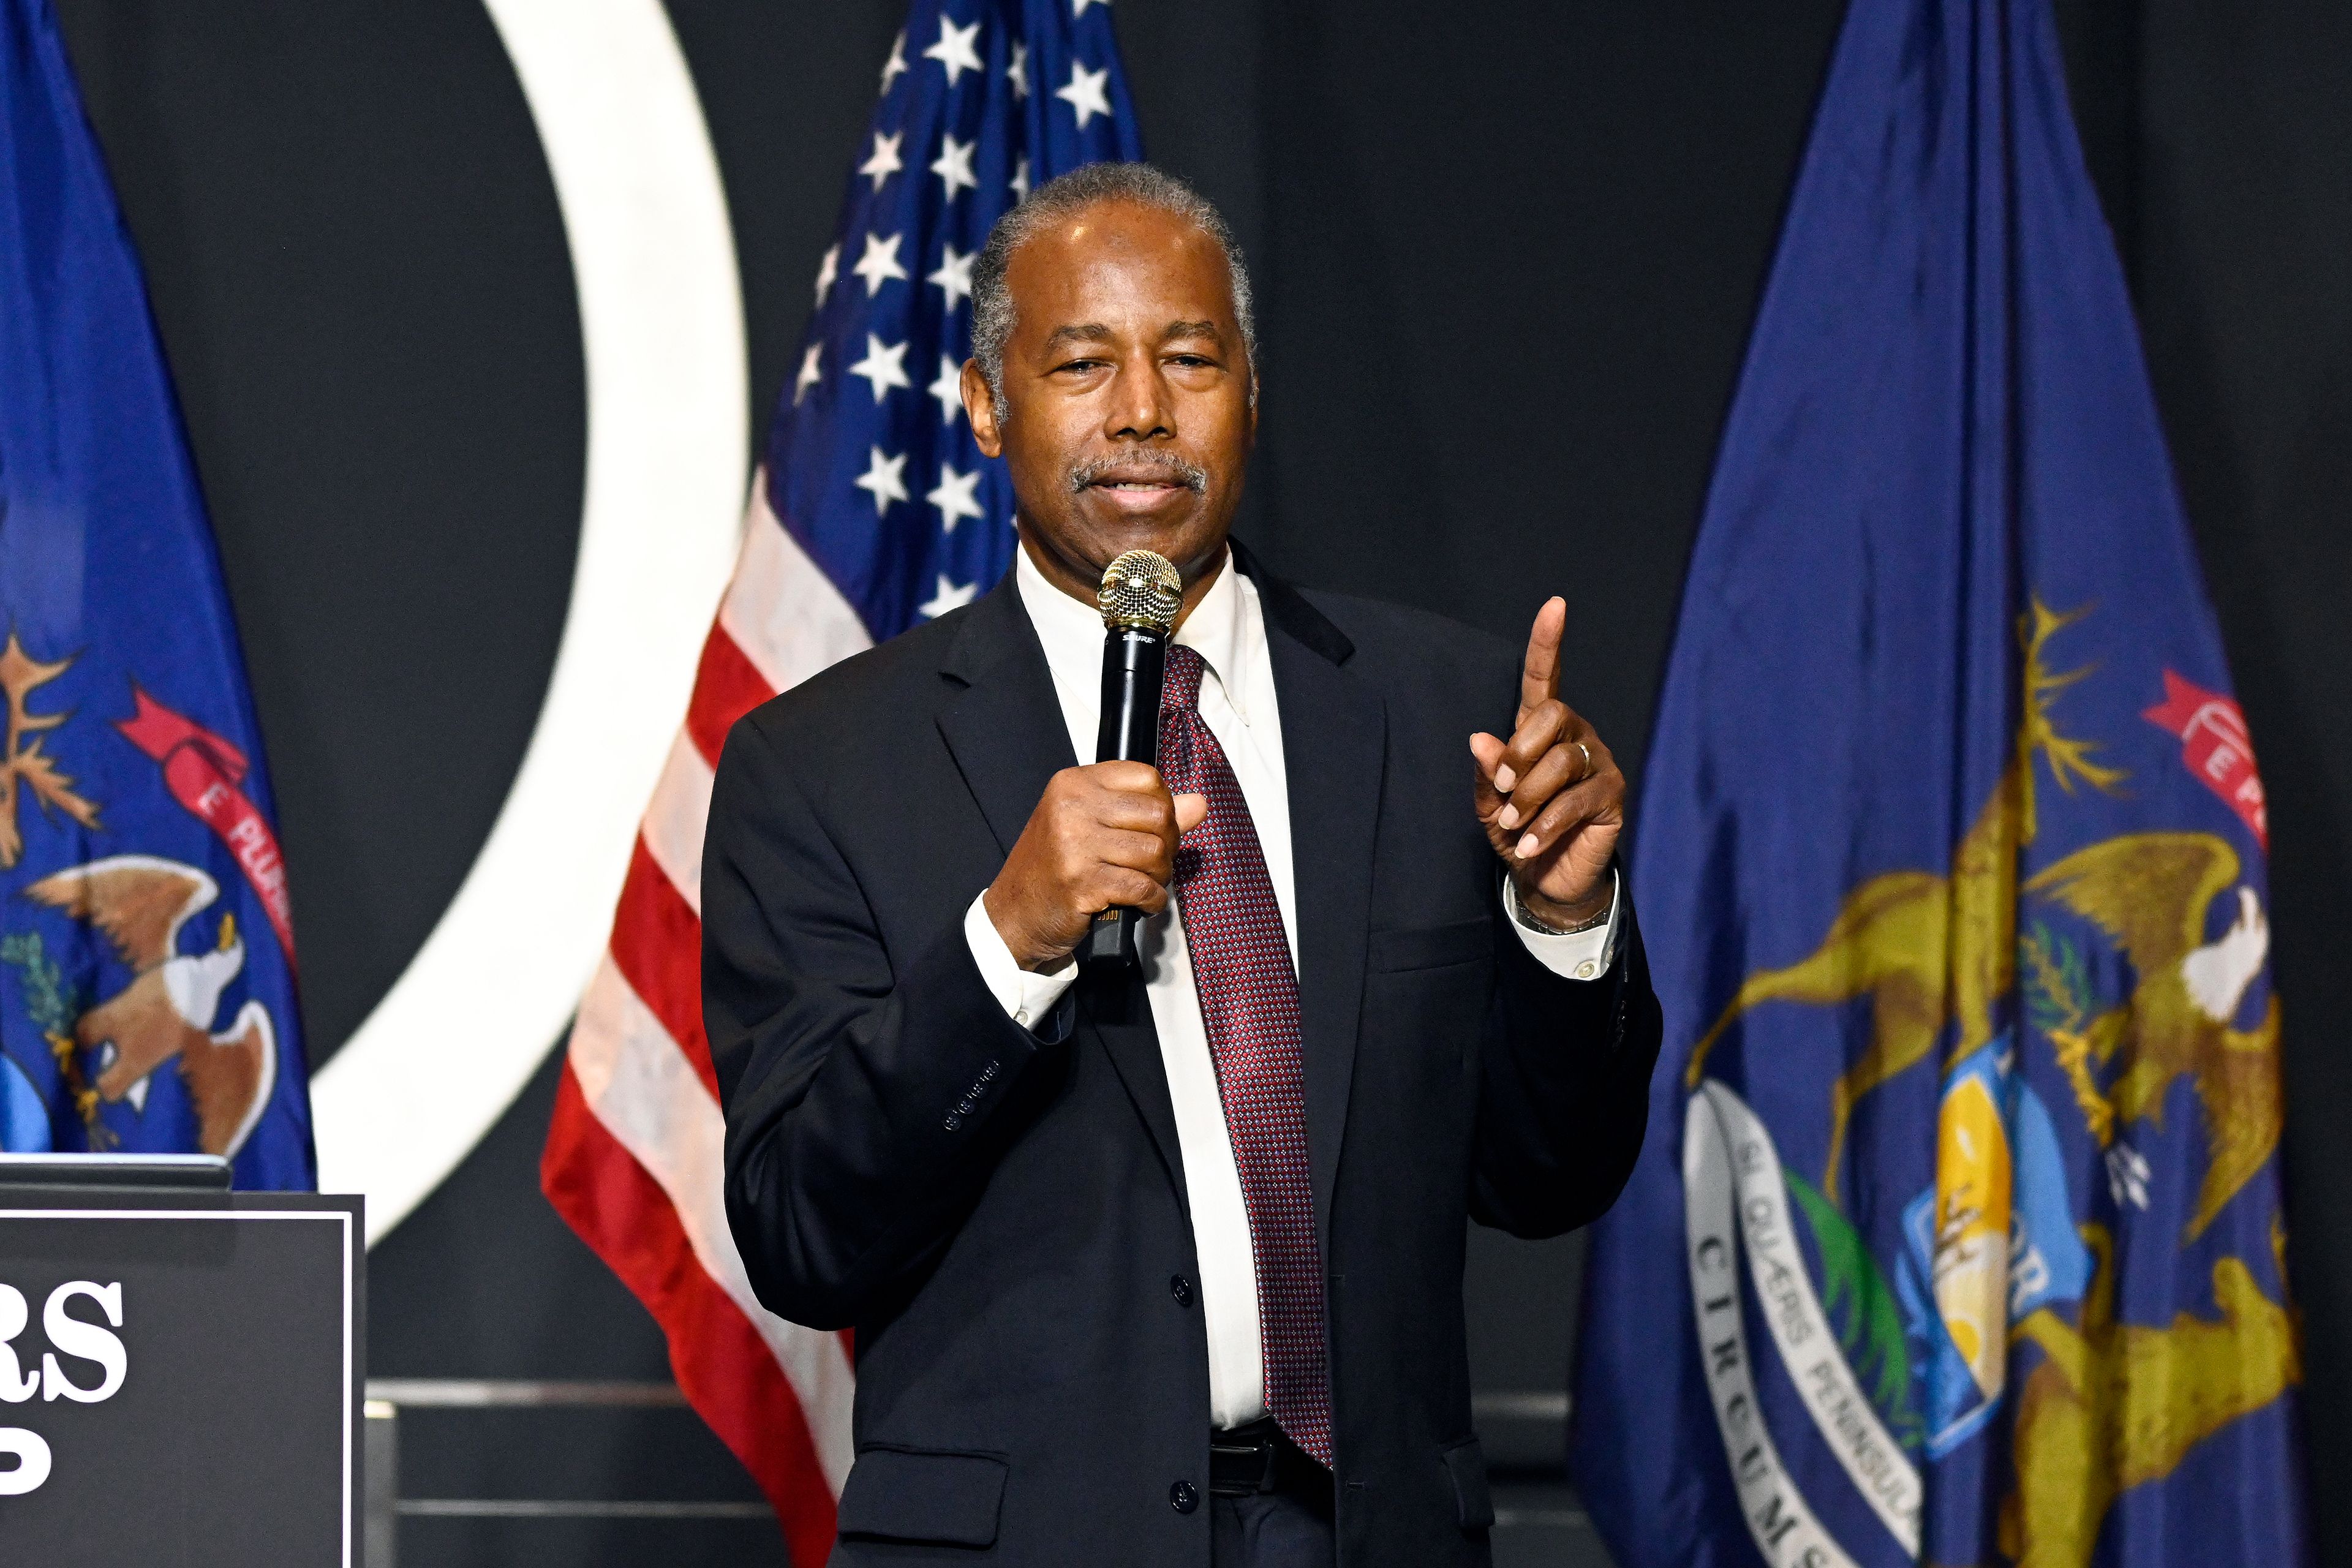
{"x":1182,"y":1498}
{"x":1181,"y":1289}
{"x":953,"y":1123}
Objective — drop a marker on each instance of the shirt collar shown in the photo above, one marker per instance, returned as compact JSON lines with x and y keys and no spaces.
{"x":1071,"y":629}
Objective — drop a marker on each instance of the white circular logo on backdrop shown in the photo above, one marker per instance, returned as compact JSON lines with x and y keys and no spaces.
{"x":661,"y":321}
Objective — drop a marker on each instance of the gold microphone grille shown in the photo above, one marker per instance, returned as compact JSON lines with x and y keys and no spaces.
{"x":1140,"y":589}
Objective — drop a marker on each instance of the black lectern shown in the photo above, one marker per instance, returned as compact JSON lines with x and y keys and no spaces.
{"x":179,"y":1368}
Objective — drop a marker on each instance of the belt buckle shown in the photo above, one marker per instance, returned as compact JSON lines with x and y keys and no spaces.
{"x":1241,"y":1467}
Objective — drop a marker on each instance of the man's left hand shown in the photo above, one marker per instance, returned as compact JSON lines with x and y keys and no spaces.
{"x":1551,"y":798}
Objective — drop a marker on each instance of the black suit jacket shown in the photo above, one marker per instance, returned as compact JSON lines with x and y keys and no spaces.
{"x":1001,"y":1214}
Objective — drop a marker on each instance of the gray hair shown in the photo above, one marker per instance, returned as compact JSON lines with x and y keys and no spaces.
{"x":1139,"y":183}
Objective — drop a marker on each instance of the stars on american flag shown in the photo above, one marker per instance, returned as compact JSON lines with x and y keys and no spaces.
{"x":949,"y":596}
{"x":954,"y":166}
{"x":954,"y":276}
{"x":883,"y":479}
{"x":884,"y":365}
{"x":958,"y":50}
{"x":880,"y":262}
{"x":1088,"y":92}
{"x":883,"y":161}
{"x":946,"y":153}
{"x":949,"y":389}
{"x":956,"y":497}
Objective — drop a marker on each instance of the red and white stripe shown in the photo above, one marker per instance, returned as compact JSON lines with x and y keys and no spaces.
{"x":633,"y":1158}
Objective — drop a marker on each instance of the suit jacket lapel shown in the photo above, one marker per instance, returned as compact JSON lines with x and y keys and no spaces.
{"x":1006,"y":731}
{"x":1334,"y":746}
{"x":1004,"y":728}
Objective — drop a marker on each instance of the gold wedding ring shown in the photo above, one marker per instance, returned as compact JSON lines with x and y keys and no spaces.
{"x":1588,"y":761}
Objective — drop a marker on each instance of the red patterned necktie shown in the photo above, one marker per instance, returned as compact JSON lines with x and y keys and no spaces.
{"x":1249,"y":1001}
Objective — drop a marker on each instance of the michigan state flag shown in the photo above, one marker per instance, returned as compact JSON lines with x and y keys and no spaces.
{"x":146,"y":953}
{"x":1957,"y":1238}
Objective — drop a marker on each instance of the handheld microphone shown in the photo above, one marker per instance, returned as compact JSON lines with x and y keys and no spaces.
{"x":1139,"y":596}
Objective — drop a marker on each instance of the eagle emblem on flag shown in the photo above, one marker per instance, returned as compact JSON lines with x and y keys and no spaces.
{"x":140,"y":904}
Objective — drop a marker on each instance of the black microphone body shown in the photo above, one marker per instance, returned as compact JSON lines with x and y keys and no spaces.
{"x":1135,"y":662}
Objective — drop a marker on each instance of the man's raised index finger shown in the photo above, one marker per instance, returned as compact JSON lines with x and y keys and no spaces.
{"x":1539,"y":677}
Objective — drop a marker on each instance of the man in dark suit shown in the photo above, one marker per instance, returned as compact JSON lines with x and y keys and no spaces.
{"x":1162,"y":1265}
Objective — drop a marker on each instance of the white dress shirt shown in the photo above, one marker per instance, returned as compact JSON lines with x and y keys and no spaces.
{"x":1227,"y":629}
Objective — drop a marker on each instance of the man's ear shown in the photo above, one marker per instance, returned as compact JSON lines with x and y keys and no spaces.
{"x":981,"y":409}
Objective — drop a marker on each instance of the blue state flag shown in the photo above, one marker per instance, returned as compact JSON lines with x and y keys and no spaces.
{"x":1957,"y":1238}
{"x":146,"y":947}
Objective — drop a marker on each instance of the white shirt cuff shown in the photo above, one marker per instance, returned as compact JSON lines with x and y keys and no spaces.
{"x":1025,"y":996}
{"x":1577,"y":955}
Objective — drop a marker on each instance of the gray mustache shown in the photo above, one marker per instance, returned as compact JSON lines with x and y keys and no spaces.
{"x":1190,"y":475}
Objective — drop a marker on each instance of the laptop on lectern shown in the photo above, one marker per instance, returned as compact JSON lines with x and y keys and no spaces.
{"x":114,"y":1172}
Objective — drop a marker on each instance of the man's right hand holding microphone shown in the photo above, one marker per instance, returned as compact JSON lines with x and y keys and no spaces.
{"x":1102,"y":836}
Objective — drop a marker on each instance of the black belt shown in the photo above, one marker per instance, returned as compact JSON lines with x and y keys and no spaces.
{"x":1259,"y":1458}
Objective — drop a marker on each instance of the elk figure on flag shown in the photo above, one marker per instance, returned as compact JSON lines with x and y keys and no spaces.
{"x":873,"y":510}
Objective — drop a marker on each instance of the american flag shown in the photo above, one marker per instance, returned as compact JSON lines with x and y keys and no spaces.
{"x":873,"y":510}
